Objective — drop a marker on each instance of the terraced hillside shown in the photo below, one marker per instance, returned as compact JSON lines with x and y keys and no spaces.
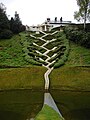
{"x":49,"y":49}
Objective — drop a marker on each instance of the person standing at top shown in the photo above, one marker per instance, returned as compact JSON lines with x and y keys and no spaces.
{"x":61,"y":19}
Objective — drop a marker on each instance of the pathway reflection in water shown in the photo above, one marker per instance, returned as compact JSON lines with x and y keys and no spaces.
{"x":73,"y":105}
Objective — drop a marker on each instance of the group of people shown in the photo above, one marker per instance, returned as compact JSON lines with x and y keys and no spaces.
{"x":56,"y":19}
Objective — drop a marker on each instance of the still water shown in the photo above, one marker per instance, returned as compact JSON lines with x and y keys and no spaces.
{"x":20,"y":105}
{"x":73,"y":105}
{"x":25,"y":104}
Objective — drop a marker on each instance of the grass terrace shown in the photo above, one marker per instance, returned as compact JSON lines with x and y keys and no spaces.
{"x":49,"y":37}
{"x":50,"y":54}
{"x":71,"y":78}
{"x":57,"y":57}
{"x":39,"y":42}
{"x":22,"y":78}
{"x":55,"y":43}
{"x":42,"y":50}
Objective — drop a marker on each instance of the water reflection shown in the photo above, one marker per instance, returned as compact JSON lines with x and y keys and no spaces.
{"x":20,"y":104}
{"x":73,"y":105}
{"x":25,"y":104}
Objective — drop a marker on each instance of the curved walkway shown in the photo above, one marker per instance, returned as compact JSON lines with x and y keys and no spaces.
{"x":46,"y":75}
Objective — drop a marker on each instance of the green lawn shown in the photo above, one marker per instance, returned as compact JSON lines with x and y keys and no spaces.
{"x":22,"y":78}
{"x":47,"y":113}
{"x":70,"y":78}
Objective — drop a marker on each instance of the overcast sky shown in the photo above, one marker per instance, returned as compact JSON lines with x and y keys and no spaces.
{"x":33,"y":12}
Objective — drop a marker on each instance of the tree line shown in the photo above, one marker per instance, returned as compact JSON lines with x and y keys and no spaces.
{"x":9,"y":27}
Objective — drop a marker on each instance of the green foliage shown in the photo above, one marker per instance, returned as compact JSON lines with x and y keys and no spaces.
{"x":49,"y":37}
{"x":11,"y":52}
{"x":4,"y":22}
{"x":63,"y":55}
{"x":8,"y":27}
{"x":78,"y":36}
{"x":58,"y":35}
{"x":41,"y":50}
{"x":29,"y":51}
{"x":59,"y":63}
{"x":25,"y":50}
{"x":31,"y":60}
{"x":78,"y":55}
{"x":16,"y":24}
{"x":80,"y":27}
{"x":84,"y":11}
{"x":6,"y":34}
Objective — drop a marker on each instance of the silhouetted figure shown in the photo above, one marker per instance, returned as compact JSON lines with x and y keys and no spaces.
{"x":55,"y":19}
{"x":48,"y":19}
{"x":61,"y":19}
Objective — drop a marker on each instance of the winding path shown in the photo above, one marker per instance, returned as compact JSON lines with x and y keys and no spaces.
{"x":49,"y":70}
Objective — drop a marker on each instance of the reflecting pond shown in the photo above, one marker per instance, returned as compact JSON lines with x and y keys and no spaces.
{"x":25,"y":104}
{"x":73,"y":105}
{"x":20,"y":104}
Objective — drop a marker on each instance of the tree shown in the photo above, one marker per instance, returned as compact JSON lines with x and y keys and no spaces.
{"x":4,"y":23}
{"x":16,"y":24}
{"x":84,"y":11}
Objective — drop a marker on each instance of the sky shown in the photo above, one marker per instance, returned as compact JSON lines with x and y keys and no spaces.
{"x":34,"y":12}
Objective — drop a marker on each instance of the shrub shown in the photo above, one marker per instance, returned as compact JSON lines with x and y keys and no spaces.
{"x":86,"y":40}
{"x":64,"y":58}
{"x":59,"y":63}
{"x":68,"y":30}
{"x":6,"y":34}
{"x":25,"y":50}
{"x":59,"y":35}
{"x":78,"y":36}
{"x":31,"y":60}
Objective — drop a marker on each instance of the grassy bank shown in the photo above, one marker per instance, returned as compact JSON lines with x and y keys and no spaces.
{"x":21,"y":78}
{"x":47,"y":113}
{"x":73,"y":75}
{"x":11,"y":52}
{"x":78,"y":56}
{"x":70,"y":78}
